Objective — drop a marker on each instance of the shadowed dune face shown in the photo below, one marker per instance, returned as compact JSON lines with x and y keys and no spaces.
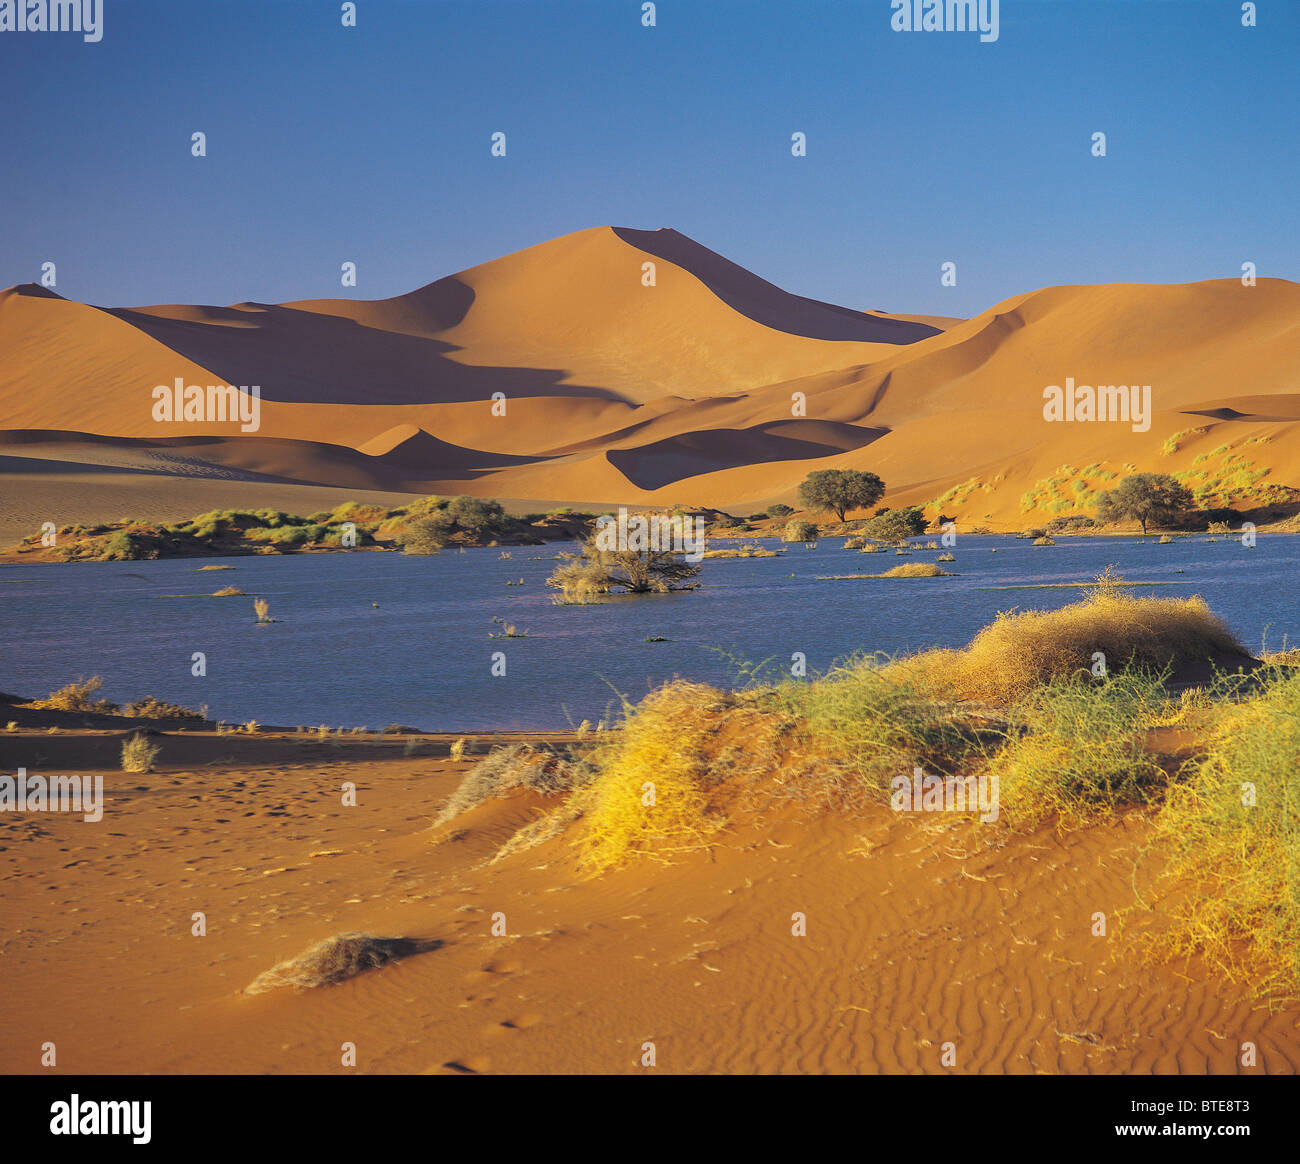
{"x":690,"y":454}
{"x":759,"y":300}
{"x":305,"y":357}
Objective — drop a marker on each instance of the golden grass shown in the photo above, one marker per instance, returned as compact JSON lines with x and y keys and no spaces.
{"x":649,"y":794}
{"x":1020,"y":651}
{"x":77,"y":696}
{"x":1232,"y":884}
{"x":138,"y":754}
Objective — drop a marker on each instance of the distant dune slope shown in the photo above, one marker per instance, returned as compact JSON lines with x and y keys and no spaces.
{"x":639,"y":366}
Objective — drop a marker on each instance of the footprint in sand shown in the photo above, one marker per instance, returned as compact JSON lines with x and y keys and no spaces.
{"x":518,"y":1023}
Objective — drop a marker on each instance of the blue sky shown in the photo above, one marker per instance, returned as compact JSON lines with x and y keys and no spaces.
{"x":371,"y":144}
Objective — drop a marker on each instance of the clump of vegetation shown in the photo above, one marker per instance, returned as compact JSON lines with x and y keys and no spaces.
{"x":648,"y":794}
{"x":138,"y":754}
{"x":1045,"y":540}
{"x":907,"y":570}
{"x":505,"y":771}
{"x":77,"y":696}
{"x":1146,"y":498}
{"x":1019,"y":651}
{"x":1077,"y":749}
{"x":799,"y":531}
{"x":1234,"y":834}
{"x":1071,"y":523}
{"x":228,"y":592}
{"x":748,"y":550}
{"x":595,"y":571}
{"x":336,"y":960}
{"x":895,"y":525}
{"x":151,"y":708}
{"x":778,"y":512}
{"x":878,"y":720}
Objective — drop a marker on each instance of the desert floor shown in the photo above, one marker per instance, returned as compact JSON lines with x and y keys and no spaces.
{"x":914,"y":938}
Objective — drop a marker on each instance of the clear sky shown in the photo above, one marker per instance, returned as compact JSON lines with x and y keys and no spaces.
{"x":372,"y":144}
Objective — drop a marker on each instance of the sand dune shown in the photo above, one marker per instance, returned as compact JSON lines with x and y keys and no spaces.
{"x":710,"y":386}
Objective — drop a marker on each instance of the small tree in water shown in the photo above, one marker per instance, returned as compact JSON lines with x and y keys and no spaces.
{"x":579,"y":577}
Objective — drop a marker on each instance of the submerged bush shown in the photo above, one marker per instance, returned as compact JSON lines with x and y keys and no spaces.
{"x":799,"y":531}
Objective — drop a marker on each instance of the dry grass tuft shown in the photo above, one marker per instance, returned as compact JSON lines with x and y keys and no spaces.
{"x":517,"y":768}
{"x":77,"y":696}
{"x":336,"y":960}
{"x":649,"y":791}
{"x":1020,"y":651}
{"x":138,"y":754}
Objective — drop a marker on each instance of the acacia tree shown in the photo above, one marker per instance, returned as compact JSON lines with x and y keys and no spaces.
{"x":1145,"y":498}
{"x":599,"y":571}
{"x":840,"y":490}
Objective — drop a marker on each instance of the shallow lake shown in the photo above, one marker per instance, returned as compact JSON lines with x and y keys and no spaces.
{"x":423,"y":655}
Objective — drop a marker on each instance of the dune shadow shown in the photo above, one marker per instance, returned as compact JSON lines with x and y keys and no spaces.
{"x":764,"y":302}
{"x":300,"y":356}
{"x":690,"y":454}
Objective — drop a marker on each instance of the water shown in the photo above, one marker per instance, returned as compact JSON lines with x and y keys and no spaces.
{"x":424,"y":656}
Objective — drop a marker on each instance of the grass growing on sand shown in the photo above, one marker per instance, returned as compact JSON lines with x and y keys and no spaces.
{"x":1019,"y":651}
{"x":335,"y":960}
{"x":1232,"y":885}
{"x":1069,"y":743}
{"x":1076,"y":749}
{"x":76,"y":696}
{"x":649,"y":796}
{"x":138,"y":754}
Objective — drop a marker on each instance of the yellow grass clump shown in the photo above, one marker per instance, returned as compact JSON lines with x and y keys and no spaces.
{"x":1232,"y":884}
{"x":649,"y":793}
{"x":1020,"y":651}
{"x":915,"y":570}
{"x":138,"y":754}
{"x":77,"y":696}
